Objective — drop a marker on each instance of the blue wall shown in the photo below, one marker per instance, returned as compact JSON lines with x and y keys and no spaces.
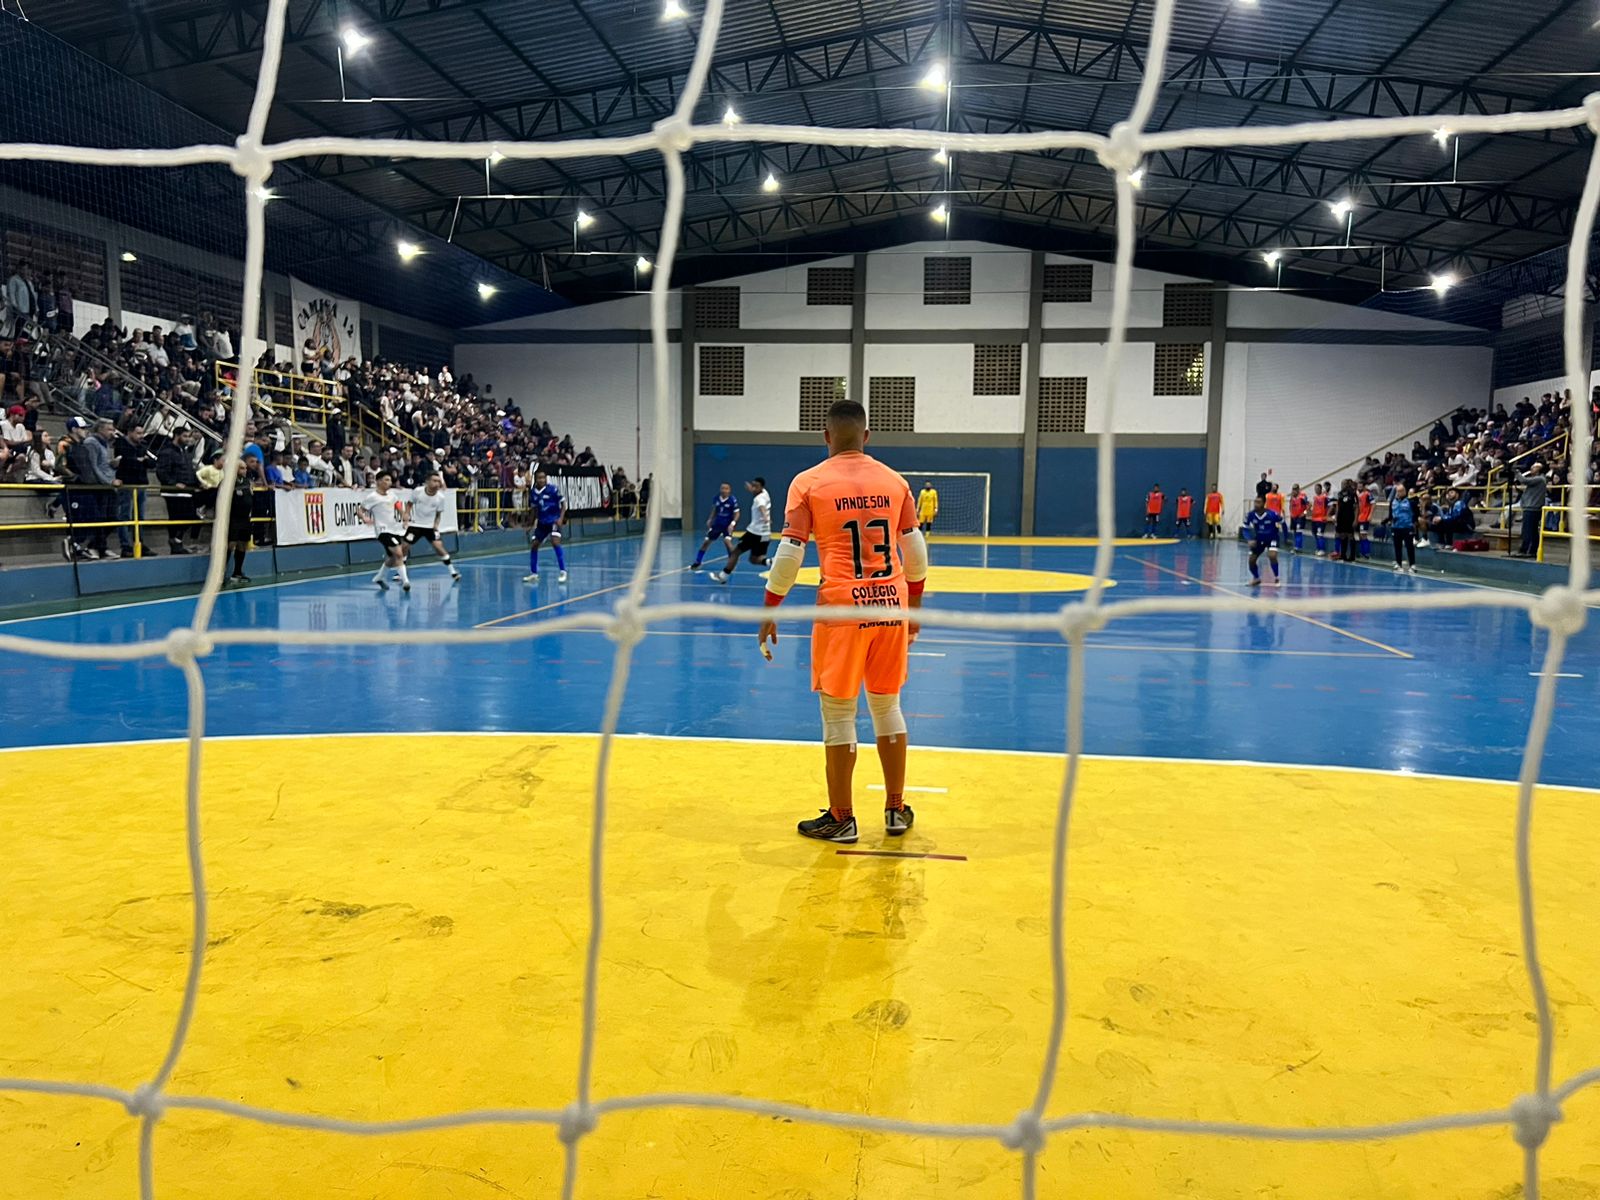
{"x":778,"y":464}
{"x":1064,"y":499}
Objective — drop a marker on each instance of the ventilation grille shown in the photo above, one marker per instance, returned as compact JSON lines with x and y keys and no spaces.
{"x":1063,"y":403}
{"x":947,"y":279}
{"x":831,"y":285}
{"x":817,"y":392}
{"x":722,"y":370}
{"x":1068,"y":283}
{"x":157,"y":289}
{"x":716,"y":307}
{"x":1186,"y":305}
{"x":1180,"y":369}
{"x":892,"y":403}
{"x":996,"y":370}
{"x":283,"y":322}
{"x":62,"y":258}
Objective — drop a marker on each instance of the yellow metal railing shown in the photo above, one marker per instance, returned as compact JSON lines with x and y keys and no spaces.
{"x":1561,"y":530}
{"x":1501,"y":475}
{"x":136,"y":521}
{"x":300,"y":398}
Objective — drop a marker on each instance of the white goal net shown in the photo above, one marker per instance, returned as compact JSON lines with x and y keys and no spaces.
{"x":961,"y":499}
{"x":1561,"y":611}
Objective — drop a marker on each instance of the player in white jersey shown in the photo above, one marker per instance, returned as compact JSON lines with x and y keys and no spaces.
{"x":427,"y":510}
{"x":757,"y":534}
{"x":384,"y":510}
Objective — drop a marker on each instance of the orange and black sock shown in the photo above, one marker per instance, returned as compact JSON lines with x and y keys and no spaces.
{"x":895,"y":802}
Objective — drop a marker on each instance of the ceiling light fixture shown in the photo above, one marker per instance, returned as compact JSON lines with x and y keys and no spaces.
{"x":1442,"y":283}
{"x":940,"y":214}
{"x":643,"y":265}
{"x":1271,"y":257}
{"x":1442,"y":136}
{"x":937,"y":79}
{"x":264,"y":193}
{"x":942,"y":157}
{"x":673,"y":11}
{"x":129,"y":256}
{"x":496,"y":158}
{"x":485,"y":290}
{"x":1342,"y":208}
{"x":1136,"y":178}
{"x":354,"y":40}
{"x":770,"y":183}
{"x":407,"y":250}
{"x":731,"y":117}
{"x":583,"y":220}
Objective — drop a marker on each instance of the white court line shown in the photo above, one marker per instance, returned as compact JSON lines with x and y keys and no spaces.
{"x":878,"y":787}
{"x":1556,"y":674}
{"x":925,"y":653}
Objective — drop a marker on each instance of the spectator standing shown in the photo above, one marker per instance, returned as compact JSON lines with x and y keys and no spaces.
{"x":1535,"y":491}
{"x":180,"y":485}
{"x":91,"y":464}
{"x":20,"y":298}
{"x":133,"y":458}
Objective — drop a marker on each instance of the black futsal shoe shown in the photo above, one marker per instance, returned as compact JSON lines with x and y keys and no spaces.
{"x":897,"y":820}
{"x":828,"y":828}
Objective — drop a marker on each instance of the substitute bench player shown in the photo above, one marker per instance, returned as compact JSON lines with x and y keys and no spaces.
{"x":873,"y":556}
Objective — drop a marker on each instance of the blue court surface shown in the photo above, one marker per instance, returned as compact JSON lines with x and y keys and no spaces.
{"x":1437,"y":692}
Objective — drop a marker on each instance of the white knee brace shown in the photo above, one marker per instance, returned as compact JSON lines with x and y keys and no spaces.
{"x":838,"y":721}
{"x":887,"y":719}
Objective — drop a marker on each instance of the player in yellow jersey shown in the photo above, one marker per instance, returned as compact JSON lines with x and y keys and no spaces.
{"x":927,"y":505}
{"x":873,"y":556}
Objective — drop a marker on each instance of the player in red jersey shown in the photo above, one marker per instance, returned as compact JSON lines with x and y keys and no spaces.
{"x":872,"y":555}
{"x":1154,"y":502}
{"x":1297,"y":516}
{"x":1364,"y":521}
{"x":1185,"y":525}
{"x":1213,"y":513}
{"x":1319,"y":517}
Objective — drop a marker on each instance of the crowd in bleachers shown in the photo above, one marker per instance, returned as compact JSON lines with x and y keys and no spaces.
{"x":148,"y":384}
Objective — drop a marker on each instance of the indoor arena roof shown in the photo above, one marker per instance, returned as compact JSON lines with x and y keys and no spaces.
{"x":513,"y":69}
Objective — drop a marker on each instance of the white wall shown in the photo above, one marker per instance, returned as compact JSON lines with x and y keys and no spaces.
{"x":771,"y":399}
{"x":604,"y":396}
{"x":777,"y":300}
{"x":945,"y":403}
{"x":630,"y":312}
{"x":1139,"y":409}
{"x":999,"y":288}
{"x":1268,"y":308}
{"x":1304,"y":411}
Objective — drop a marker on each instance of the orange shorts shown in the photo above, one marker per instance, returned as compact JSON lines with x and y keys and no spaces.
{"x":844,"y":656}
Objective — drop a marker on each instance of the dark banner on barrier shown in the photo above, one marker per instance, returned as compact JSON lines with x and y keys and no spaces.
{"x":587,"y":490}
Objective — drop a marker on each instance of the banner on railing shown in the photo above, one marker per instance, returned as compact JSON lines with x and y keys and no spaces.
{"x":325,"y":320}
{"x":587,"y":490}
{"x":334,"y":514}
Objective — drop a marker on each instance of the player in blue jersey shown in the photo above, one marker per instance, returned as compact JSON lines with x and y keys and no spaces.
{"x":1263,"y":527}
{"x":724,"y":512}
{"x":550,"y":510}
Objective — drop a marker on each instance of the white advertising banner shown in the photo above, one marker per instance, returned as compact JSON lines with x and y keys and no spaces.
{"x":327,"y":320}
{"x":307,"y":515}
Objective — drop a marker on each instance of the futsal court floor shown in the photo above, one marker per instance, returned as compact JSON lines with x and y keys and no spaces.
{"x":1291,"y":894}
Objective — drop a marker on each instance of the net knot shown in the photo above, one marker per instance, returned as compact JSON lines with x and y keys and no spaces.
{"x":674,"y":133}
{"x":146,"y":1101}
{"x":1080,"y":620}
{"x":1531,"y":1118}
{"x":250,"y":161}
{"x":1591,"y":105}
{"x":1120,"y":151}
{"x":627,"y":624}
{"x":185,"y":645}
{"x":577,"y":1120}
{"x":1561,"y":610}
{"x":1026,"y":1134}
